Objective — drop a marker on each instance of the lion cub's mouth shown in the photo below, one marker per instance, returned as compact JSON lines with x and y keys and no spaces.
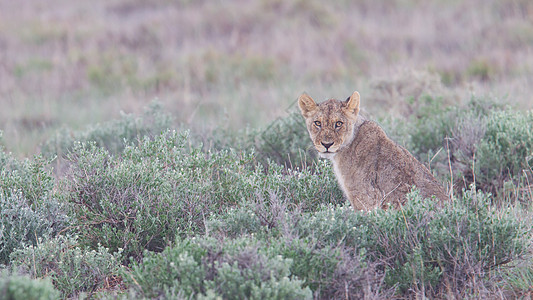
{"x":326,"y":152}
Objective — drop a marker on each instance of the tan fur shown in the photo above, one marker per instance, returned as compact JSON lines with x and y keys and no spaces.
{"x":372,"y":170}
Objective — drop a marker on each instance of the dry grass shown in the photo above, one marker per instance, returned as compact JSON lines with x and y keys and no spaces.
{"x":242,"y":62}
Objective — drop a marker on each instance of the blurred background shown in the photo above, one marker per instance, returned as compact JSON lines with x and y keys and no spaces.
{"x":243,"y":63}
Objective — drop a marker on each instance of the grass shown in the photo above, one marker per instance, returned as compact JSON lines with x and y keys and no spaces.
{"x":244,"y":62}
{"x":125,"y":211}
{"x":145,"y":150}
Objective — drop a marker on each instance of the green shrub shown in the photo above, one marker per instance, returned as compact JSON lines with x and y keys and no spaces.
{"x":21,"y":224}
{"x":28,"y":209}
{"x":506,"y":150}
{"x":27,"y":177}
{"x":308,"y":188}
{"x":240,"y":221}
{"x":493,"y":149}
{"x":481,"y":69}
{"x":71,"y":268}
{"x":142,"y":197}
{"x":277,"y":201}
{"x":431,"y":251}
{"x":286,"y":142}
{"x":429,"y":125}
{"x":424,"y":249}
{"x":334,"y":225}
{"x":427,"y":128}
{"x":331,"y":271}
{"x":479,"y":142}
{"x":113,"y":135}
{"x":208,"y":268}
{"x":17,"y":287}
{"x":219,"y":138}
{"x":138,"y":200}
{"x":327,"y":263}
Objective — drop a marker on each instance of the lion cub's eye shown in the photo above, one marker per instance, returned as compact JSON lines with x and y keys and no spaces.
{"x":338,"y":124}
{"x":318,"y":124}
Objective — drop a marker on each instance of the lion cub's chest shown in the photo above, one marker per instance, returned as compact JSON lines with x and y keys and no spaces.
{"x":341,"y":178}
{"x":353,"y":183}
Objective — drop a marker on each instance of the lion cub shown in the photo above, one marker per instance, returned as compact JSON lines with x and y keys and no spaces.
{"x":372,"y":170}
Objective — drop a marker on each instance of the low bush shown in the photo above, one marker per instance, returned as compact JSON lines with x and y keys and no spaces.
{"x":479,"y":143}
{"x":71,"y":268}
{"x":140,"y":198}
{"x":506,"y":151}
{"x":286,"y":142}
{"x":422,"y":249}
{"x":22,"y":287}
{"x":455,"y":249}
{"x":153,"y":203}
{"x":316,"y":242}
{"x":332,"y":271}
{"x":427,"y":250}
{"x":112,"y":135}
{"x":207,"y":268}
{"x":308,"y":188}
{"x":21,"y":224}
{"x":28,"y":208}
{"x":434,"y":126}
{"x":30,"y":178}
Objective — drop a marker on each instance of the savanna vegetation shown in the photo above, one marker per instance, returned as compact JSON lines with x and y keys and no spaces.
{"x":213,"y":191}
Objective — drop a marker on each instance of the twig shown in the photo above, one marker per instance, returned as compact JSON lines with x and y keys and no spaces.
{"x":450,"y":166}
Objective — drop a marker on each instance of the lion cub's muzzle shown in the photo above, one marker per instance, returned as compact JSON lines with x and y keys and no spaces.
{"x":326,"y":147}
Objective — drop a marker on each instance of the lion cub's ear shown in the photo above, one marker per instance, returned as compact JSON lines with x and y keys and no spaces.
{"x":307,"y":105}
{"x":351,"y":106}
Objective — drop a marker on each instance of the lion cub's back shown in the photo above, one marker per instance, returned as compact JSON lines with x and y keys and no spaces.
{"x":375,"y":170}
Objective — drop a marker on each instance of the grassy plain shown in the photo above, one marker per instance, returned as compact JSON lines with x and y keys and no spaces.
{"x":238,"y":63}
{"x":213,"y":190}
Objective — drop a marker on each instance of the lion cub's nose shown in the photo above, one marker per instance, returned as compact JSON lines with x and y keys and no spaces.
{"x":327,"y":145}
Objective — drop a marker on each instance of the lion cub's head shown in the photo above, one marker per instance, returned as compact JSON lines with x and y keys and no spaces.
{"x":330,"y":123}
